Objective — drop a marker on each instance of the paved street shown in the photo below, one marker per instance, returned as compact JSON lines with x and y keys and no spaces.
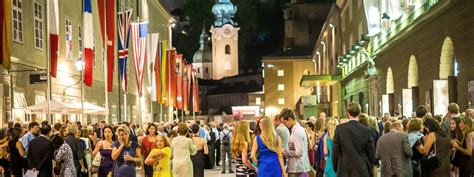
{"x":216,"y":172}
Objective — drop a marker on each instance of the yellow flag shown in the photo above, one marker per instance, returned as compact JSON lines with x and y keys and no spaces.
{"x":6,"y":33}
{"x":164,"y":76}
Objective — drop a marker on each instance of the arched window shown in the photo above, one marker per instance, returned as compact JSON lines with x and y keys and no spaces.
{"x":227,"y":49}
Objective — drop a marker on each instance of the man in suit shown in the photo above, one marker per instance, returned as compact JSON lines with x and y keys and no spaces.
{"x":215,"y":151}
{"x":353,"y":148}
{"x":77,"y":150}
{"x":40,"y":153}
{"x":394,"y":150}
{"x":99,"y":129}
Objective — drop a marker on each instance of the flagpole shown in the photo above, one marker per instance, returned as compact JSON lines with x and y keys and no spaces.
{"x":48,"y":67}
{"x":104,"y":56}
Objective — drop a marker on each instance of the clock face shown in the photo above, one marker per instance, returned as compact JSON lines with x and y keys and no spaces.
{"x":227,"y":31}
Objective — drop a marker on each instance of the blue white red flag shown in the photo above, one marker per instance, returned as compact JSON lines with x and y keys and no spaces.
{"x":88,"y":42}
{"x":123,"y":24}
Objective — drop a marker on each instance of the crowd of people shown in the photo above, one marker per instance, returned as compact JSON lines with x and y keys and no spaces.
{"x":420,"y":146}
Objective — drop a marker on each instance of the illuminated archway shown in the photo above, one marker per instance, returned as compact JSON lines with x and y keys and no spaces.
{"x":412,"y":72}
{"x":390,"y":86}
{"x":446,"y":65}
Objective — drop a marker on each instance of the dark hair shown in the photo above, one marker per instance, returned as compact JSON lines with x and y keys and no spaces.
{"x":405,"y":124}
{"x":111,"y":129}
{"x":15,"y":134}
{"x":421,"y":111}
{"x":45,"y":130}
{"x":151,"y":125}
{"x":433,"y":126}
{"x":32,"y":124}
{"x":457,"y":133}
{"x":126,"y":123}
{"x":56,"y":142}
{"x":198,"y":122}
{"x":172,"y":134}
{"x":364,"y":119}
{"x":17,"y":125}
{"x":310,"y":125}
{"x":57,"y":126}
{"x":103,"y":121}
{"x":353,"y":109}
{"x":195,"y":128}
{"x":286,"y":114}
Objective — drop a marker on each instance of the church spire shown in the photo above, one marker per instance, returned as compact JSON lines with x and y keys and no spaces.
{"x":224,"y":12}
{"x":203,"y":39}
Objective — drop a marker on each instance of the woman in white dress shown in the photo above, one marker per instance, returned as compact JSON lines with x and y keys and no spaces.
{"x":181,"y":149}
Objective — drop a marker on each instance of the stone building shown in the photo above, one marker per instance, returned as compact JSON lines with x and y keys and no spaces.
{"x":29,"y":49}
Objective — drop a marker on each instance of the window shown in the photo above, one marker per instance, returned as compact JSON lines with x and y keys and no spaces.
{"x":227,"y":49}
{"x":79,"y":40}
{"x":281,"y":73}
{"x":207,"y":70}
{"x":350,"y":10}
{"x":199,"y":70}
{"x":258,"y":101}
{"x":17,"y":21}
{"x":281,"y":101}
{"x":38,"y":18}
{"x":281,"y":87}
{"x":270,"y":66}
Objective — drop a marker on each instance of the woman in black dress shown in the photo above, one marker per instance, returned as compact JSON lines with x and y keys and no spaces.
{"x":201,"y":147}
{"x":15,"y":147}
{"x":464,"y":148}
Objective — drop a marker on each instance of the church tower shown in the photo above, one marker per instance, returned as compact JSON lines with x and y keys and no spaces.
{"x":202,"y":60}
{"x":225,"y":53}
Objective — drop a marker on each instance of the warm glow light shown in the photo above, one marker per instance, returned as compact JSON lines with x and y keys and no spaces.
{"x":79,"y":64}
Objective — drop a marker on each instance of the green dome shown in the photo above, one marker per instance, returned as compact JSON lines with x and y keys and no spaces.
{"x":204,"y":53}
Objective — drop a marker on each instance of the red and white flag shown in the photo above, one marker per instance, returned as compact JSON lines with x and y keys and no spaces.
{"x":53,"y":19}
{"x":139,"y":35}
{"x":88,"y":42}
{"x":195,"y":91}
{"x":179,"y":81}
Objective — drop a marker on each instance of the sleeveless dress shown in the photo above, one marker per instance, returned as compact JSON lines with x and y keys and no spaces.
{"x":124,"y":168}
{"x":162,"y":167}
{"x":242,"y":170}
{"x":107,"y":163}
{"x":268,"y":164}
{"x":198,"y":163}
{"x":465,"y":165}
{"x":329,"y":170}
{"x":443,"y":147}
{"x":16,"y":160}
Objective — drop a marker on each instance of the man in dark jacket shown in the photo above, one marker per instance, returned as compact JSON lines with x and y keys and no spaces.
{"x":353,"y":148}
{"x":40,"y":153}
{"x":77,"y":149}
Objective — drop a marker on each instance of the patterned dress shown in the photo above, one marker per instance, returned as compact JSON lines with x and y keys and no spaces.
{"x":242,"y":170}
{"x":64,"y":156}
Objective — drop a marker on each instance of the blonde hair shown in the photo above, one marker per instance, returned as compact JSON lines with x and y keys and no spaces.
{"x":123,"y":128}
{"x":331,"y":127}
{"x":268,"y":133}
{"x":165,"y":139}
{"x":241,"y":136}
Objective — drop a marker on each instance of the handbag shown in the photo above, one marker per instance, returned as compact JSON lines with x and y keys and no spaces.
{"x":432,"y":162}
{"x":96,"y":163}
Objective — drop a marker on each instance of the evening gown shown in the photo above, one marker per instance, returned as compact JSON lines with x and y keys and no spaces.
{"x":268,"y":163}
{"x":443,"y":147}
{"x":107,"y":163}
{"x":124,"y":168}
{"x":465,"y":165}
{"x":329,"y":170}
{"x":16,"y":160}
{"x":198,"y":163}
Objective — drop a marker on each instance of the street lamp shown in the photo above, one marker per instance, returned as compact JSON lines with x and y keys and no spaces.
{"x":80,"y":67}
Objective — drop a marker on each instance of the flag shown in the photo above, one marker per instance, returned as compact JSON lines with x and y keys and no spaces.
{"x":53,"y":36}
{"x":187,"y":86}
{"x":179,"y":81}
{"x":195,"y":91}
{"x":164,"y":77}
{"x":170,"y":58}
{"x":152,"y":53}
{"x":139,"y":34}
{"x":110,"y":17}
{"x":88,"y":42}
{"x":101,"y":9}
{"x":157,"y":68}
{"x":124,"y":19}
{"x":5,"y":32}
{"x":172,"y":81}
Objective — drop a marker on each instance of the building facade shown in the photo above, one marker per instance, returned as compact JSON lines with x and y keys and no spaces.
{"x":29,"y":56}
{"x":418,"y":52}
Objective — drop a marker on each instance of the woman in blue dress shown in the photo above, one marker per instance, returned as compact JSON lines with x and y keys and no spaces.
{"x":328,"y":141}
{"x":268,"y":145}
{"x":125,"y":154}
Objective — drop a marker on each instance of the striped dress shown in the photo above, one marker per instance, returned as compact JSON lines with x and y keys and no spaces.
{"x":242,"y":170}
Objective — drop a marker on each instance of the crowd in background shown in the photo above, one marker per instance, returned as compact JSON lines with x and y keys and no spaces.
{"x":359,"y":145}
